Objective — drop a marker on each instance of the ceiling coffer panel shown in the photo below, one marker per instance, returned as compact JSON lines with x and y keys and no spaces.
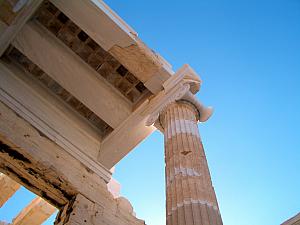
{"x":15,"y":56}
{"x":94,"y":55}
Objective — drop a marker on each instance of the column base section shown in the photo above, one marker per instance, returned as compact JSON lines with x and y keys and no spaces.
{"x":192,"y":213}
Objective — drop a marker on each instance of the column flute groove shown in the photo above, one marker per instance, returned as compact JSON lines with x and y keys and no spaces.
{"x":181,"y":214}
{"x":192,"y":126}
{"x":188,"y":163}
{"x":196,"y":195}
{"x":190,"y":195}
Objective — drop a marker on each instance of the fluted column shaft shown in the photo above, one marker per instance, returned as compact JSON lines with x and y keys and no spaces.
{"x":7,"y":188}
{"x":190,"y":195}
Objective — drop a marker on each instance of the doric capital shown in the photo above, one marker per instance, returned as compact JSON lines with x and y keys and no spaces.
{"x":182,"y":86}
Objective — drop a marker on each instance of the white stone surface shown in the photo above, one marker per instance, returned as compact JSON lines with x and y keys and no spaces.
{"x":114,"y":187}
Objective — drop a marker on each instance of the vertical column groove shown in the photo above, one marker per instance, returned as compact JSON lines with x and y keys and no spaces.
{"x":190,"y":196}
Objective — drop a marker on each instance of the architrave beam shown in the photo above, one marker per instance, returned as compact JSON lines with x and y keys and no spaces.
{"x":136,"y":128}
{"x":119,"y":39}
{"x":51,"y":116}
{"x":46,"y":169}
{"x":39,"y":164}
{"x":72,"y":73}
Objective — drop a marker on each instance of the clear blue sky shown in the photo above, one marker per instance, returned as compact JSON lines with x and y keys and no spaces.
{"x":248,"y":56}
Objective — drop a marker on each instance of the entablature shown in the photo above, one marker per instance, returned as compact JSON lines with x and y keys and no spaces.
{"x":78,"y":73}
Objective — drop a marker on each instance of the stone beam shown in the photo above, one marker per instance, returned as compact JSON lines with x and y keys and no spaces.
{"x":109,"y":28}
{"x":8,"y":32}
{"x":150,"y":68}
{"x":7,"y":188}
{"x":46,"y":169}
{"x":72,"y":73}
{"x":50,"y":116}
{"x":37,"y":212}
{"x":295,"y":220}
{"x":82,"y":210}
{"x":43,"y":167}
{"x":116,"y":37}
{"x":135,"y":128}
{"x":124,"y":138}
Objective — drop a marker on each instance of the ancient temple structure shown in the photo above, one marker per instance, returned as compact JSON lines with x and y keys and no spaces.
{"x":295,"y":220}
{"x":78,"y":91}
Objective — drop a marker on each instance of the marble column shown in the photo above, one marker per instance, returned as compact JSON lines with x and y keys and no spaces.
{"x":191,"y":199}
{"x":36,"y":213}
{"x":7,"y":188}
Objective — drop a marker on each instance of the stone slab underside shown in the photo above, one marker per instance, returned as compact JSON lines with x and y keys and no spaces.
{"x":34,"y":161}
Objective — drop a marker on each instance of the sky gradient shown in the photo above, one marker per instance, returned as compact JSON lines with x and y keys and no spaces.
{"x":248,"y":56}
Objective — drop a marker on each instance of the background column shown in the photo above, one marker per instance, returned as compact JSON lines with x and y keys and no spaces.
{"x":190,"y":195}
{"x":7,"y":188}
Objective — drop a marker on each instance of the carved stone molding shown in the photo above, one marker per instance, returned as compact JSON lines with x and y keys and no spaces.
{"x":204,"y":112}
{"x":183,"y":85}
{"x":177,"y":96}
